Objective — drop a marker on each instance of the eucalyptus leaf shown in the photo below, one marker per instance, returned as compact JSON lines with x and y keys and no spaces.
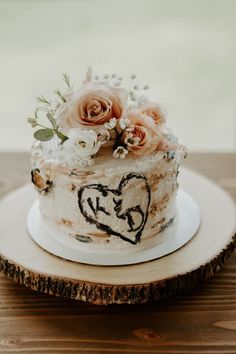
{"x":44,"y":134}
{"x":62,"y":137}
{"x":52,"y":120}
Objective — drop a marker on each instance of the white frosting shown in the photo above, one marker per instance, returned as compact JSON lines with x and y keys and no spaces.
{"x":138,"y":195}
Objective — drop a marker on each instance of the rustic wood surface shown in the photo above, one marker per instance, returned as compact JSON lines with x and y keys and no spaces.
{"x":202,"y":320}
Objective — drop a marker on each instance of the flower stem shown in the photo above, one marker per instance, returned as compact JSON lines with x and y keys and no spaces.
{"x":43,"y":126}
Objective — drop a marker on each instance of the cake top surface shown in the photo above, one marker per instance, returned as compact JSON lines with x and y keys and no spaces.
{"x":100,"y":123}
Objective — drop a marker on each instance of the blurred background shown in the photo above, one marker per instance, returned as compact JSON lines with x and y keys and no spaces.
{"x":184,"y":49}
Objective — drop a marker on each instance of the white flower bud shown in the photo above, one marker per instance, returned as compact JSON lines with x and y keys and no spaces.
{"x":130,"y":140}
{"x":124,"y":123}
{"x":111,"y":124}
{"x":130,"y":128}
{"x":120,"y":153}
{"x":103,"y":136}
{"x":33,"y":122}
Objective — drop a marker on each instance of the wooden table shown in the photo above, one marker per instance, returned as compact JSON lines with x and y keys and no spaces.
{"x":202,"y":320}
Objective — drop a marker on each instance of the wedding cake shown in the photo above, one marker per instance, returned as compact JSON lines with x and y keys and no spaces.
{"x":104,"y":164}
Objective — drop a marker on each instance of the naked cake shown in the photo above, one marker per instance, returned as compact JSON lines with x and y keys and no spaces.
{"x":104,"y":164}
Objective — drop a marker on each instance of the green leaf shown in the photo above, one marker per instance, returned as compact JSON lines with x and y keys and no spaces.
{"x":52,"y":120}
{"x":62,"y":137}
{"x":44,"y":134}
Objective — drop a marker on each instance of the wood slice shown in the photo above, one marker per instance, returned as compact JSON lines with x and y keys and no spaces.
{"x":25,"y":262}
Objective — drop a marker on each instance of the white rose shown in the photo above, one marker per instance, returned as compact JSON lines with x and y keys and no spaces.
{"x":81,"y":145}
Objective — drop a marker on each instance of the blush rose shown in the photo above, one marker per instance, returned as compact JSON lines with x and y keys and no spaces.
{"x":92,"y":106}
{"x":153,"y":110}
{"x":144,"y":130}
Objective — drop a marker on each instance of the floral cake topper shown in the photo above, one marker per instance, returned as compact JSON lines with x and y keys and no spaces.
{"x":102,"y":115}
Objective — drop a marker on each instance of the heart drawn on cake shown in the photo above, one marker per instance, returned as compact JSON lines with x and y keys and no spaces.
{"x":122,"y":212}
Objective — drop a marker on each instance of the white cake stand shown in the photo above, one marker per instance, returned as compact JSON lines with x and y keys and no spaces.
{"x":24,"y":261}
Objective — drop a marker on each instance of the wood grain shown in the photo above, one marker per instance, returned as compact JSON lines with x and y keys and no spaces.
{"x":199,"y":321}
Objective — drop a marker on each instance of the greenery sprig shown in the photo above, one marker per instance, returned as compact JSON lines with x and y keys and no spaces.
{"x":60,"y":96}
{"x":43,"y":100}
{"x":67,"y":81}
{"x":46,"y":133}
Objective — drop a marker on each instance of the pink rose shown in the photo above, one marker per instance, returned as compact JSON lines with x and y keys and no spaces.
{"x":144,"y":138}
{"x":92,"y":106}
{"x":151,"y":109}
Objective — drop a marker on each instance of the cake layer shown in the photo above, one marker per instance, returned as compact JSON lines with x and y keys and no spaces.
{"x":111,"y":202}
